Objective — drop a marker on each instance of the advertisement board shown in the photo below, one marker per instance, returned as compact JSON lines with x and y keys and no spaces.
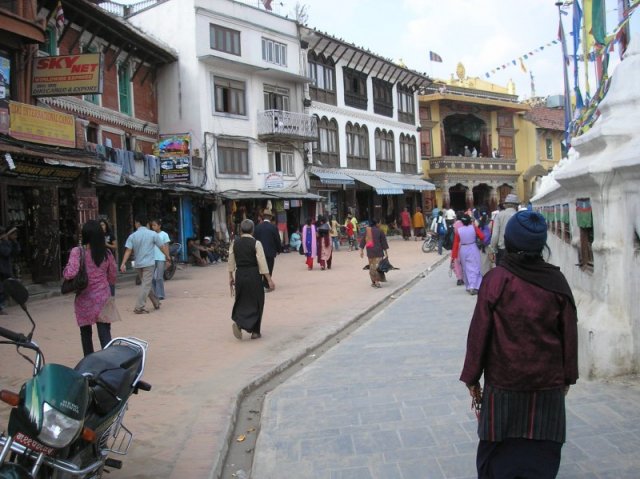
{"x":174,"y":152}
{"x":67,"y":75}
{"x":41,"y":125}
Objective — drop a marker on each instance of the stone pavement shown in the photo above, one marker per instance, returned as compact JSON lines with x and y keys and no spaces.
{"x":386,"y":403}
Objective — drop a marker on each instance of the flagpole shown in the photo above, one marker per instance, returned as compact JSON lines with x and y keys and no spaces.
{"x":568,"y":114}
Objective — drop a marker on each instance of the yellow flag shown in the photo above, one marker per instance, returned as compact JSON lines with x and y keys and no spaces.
{"x":587,"y":37}
{"x":522,"y":67}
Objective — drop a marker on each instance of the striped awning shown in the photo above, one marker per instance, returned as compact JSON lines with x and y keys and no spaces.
{"x":333,"y":177}
{"x":381,"y":186}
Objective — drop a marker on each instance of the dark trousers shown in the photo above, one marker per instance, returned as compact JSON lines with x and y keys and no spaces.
{"x":271,"y":261}
{"x":86,"y":336}
{"x":517,"y":458}
{"x":500,"y":256}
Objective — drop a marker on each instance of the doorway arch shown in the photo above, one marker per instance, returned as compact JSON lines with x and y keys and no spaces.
{"x":458,"y":197}
{"x":482,"y":196}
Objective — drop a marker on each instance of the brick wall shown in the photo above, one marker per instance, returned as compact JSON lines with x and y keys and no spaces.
{"x":144,"y":96}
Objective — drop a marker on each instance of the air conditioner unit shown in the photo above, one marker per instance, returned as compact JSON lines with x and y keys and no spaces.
{"x":197,"y":162}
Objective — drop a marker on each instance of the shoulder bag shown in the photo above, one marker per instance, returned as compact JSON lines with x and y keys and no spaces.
{"x":79,"y":282}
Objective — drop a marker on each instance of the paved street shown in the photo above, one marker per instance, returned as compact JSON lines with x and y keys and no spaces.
{"x":386,"y":403}
{"x":196,"y":366}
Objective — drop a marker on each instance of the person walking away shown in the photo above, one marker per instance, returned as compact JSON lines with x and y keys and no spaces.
{"x":419,"y":224}
{"x":484,"y":224}
{"x":405,"y":223}
{"x":309,"y":243}
{"x":101,"y":268}
{"x":354,"y":223}
{"x":249,"y":264}
{"x":111,"y":243}
{"x":439,"y":227}
{"x":497,"y":249}
{"x":157,"y":283}
{"x":325,"y":249}
{"x":269,"y":236}
{"x":350,"y":233}
{"x":142,"y":243}
{"x":376,"y":246}
{"x":466,"y":250}
{"x":523,"y":339}
{"x":455,"y":264}
{"x":9,"y":249}
{"x":334,"y":232}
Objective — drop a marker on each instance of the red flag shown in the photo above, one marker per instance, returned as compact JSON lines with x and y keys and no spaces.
{"x":434,"y":57}
{"x":267,"y":4}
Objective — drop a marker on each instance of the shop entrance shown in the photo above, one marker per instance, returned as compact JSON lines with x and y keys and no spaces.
{"x":457,"y":197}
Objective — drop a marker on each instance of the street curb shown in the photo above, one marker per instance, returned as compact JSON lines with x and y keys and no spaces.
{"x":217,"y":471}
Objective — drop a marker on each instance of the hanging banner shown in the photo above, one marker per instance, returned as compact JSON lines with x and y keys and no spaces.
{"x":175,"y":161}
{"x":67,"y":75}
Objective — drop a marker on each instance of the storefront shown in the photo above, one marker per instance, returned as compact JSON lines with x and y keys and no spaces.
{"x":47,"y":197}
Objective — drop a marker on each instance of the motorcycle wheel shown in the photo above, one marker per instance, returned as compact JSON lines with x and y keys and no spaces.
{"x":14,"y":471}
{"x":429,"y":245}
{"x":170,"y":271}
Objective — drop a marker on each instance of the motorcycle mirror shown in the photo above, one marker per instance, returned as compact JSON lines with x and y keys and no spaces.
{"x":16,"y":290}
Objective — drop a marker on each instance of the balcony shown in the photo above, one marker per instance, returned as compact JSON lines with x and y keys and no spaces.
{"x":276,"y":125}
{"x":472,"y":165}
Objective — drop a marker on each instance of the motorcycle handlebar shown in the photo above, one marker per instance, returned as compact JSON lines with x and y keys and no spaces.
{"x":15,"y":337}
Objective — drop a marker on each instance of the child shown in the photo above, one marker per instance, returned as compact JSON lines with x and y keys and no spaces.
{"x":350,"y":235}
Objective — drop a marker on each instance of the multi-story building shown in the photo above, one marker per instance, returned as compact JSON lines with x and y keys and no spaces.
{"x":365,"y":157}
{"x":238,"y":90}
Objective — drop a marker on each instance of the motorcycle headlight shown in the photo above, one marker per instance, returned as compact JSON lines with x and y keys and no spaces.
{"x":57,"y":429}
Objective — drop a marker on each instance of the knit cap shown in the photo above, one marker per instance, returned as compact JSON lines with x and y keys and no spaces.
{"x":526,"y":231}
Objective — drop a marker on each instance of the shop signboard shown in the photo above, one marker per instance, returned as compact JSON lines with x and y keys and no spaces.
{"x":175,"y":160}
{"x":274,"y":181}
{"x":42,"y":172}
{"x":41,"y":125}
{"x":67,"y":75}
{"x":5,"y":92}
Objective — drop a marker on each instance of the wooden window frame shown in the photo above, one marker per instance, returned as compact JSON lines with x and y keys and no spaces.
{"x":426,"y":142}
{"x":224,"y":39}
{"x":506,"y":146}
{"x":357,"y":146}
{"x":406,"y":105}
{"x":229,"y":96}
{"x":278,"y":96}
{"x":125,"y":96}
{"x":355,"y":88}
{"x":408,"y":154}
{"x":280,"y":163}
{"x":382,"y":97}
{"x":385,"y":150}
{"x":233,"y":158}
{"x":331,"y":155}
{"x":505,"y":120}
{"x":323,"y":91}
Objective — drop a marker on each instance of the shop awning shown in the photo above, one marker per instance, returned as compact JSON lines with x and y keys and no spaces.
{"x":410,"y":182}
{"x":269,"y":195}
{"x":381,"y":186}
{"x":332,"y":177}
{"x":54,"y":156}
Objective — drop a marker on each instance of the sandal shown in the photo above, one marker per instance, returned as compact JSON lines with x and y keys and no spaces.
{"x":140,"y":311}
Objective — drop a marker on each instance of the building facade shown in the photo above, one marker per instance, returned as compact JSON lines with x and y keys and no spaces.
{"x":479,"y":142}
{"x":365,"y":158}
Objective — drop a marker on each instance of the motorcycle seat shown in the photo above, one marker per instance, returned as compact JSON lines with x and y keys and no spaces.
{"x":111,"y":373}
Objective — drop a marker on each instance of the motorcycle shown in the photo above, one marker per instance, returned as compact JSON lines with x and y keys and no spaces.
{"x":66,"y":421}
{"x":174,"y":253}
{"x":430,"y":243}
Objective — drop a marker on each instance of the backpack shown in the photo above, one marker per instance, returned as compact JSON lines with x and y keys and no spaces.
{"x":448,"y":239}
{"x":442,"y":229}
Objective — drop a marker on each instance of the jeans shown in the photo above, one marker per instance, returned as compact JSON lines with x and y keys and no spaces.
{"x":440,"y":241}
{"x":157,"y":283}
{"x":145,"y":287}
{"x":86,"y":336}
{"x":336,"y":243}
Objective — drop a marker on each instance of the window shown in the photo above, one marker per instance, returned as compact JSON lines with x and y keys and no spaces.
{"x":425,"y":112}
{"x":549,"y":147}
{"x":425,"y":142}
{"x":322,"y":72}
{"x":92,"y":133}
{"x":281,"y":159}
{"x":5,"y":75}
{"x":94,"y":98}
{"x":382,"y":97}
{"x":224,"y":39}
{"x":355,"y":88}
{"x":233,"y":157}
{"x":326,"y":149}
{"x":408,"y":157}
{"x":505,"y":146}
{"x":276,"y":98}
{"x":584,"y":218}
{"x":229,"y":96}
{"x":505,"y":120}
{"x":357,"y":146}
{"x":406,"y":112}
{"x":50,"y":45}
{"x":124,"y":89}
{"x":274,"y":52}
{"x":385,"y":159}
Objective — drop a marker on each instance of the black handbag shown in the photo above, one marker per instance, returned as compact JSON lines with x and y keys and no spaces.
{"x":384,"y":266}
{"x":79,"y":282}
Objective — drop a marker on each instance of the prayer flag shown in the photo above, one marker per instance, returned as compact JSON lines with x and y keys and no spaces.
{"x":522,"y":67}
{"x":267,"y":4}
{"x":598,"y":25}
{"x":59,"y":17}
{"x":434,"y":57}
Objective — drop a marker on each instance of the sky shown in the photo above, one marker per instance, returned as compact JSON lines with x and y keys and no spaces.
{"x":482,"y":34}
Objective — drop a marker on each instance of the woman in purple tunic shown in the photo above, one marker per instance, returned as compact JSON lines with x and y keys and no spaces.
{"x":465,"y":248}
